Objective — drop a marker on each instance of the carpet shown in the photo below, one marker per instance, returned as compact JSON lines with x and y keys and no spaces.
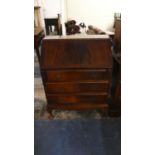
{"x":77,"y":137}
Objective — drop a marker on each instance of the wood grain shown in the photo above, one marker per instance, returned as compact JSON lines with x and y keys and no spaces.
{"x":76,"y":54}
{"x":78,"y":87}
{"x":78,"y":75}
{"x":84,"y":98}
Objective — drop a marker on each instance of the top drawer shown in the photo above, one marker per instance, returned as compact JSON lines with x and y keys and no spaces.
{"x":78,"y":75}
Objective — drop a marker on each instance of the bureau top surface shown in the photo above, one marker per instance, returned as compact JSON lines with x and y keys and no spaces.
{"x":76,"y":36}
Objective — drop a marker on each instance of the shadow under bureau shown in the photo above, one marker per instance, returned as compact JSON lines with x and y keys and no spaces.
{"x":76,"y":71}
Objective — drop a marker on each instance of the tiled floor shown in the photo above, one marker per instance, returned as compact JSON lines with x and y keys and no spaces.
{"x":40,"y":102}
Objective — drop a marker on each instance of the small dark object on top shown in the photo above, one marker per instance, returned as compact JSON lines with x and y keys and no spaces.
{"x":82,"y":25}
{"x":72,"y":28}
{"x":94,"y":30}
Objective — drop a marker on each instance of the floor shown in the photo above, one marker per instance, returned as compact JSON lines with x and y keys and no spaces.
{"x":40,"y":102}
{"x":78,"y":137}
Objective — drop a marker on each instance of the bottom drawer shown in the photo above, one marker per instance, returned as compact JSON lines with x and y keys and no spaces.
{"x":78,"y":106}
{"x":79,"y":87}
{"x":77,"y":98}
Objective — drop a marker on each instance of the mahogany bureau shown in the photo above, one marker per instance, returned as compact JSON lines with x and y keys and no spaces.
{"x":76,"y":71}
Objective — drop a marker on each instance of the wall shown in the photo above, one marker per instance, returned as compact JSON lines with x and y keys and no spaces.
{"x":99,"y":13}
{"x":51,"y":8}
{"x":35,"y":3}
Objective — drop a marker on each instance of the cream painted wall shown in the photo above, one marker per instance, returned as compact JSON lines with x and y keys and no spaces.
{"x":99,"y":13}
{"x":51,"y":8}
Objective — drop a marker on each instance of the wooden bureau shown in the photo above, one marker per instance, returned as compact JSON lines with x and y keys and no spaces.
{"x":76,"y":71}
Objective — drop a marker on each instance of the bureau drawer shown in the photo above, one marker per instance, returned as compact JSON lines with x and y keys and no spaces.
{"x":84,"y":98}
{"x":78,"y":75}
{"x":80,"y":87}
{"x":79,"y":106}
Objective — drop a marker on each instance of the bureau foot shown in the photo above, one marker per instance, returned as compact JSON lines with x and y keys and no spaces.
{"x":104,"y":112}
{"x":50,"y":115}
{"x":115,"y":112}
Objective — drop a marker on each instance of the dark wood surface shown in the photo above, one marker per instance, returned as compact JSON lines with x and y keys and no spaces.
{"x":73,"y":98}
{"x":115,"y":108}
{"x":77,"y":87}
{"x":117,"y":41}
{"x":86,"y":106}
{"x":76,"y":73}
{"x":74,"y":53}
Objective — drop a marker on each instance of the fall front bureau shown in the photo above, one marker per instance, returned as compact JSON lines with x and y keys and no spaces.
{"x":76,"y":71}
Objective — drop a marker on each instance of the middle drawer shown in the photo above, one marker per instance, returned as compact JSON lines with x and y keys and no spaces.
{"x":78,"y":75}
{"x":79,"y":87}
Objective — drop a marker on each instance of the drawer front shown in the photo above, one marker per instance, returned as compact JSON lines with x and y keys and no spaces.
{"x":77,"y":98}
{"x":77,"y":53}
{"x":78,"y":75}
{"x":80,"y":87}
{"x":79,"y":106}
